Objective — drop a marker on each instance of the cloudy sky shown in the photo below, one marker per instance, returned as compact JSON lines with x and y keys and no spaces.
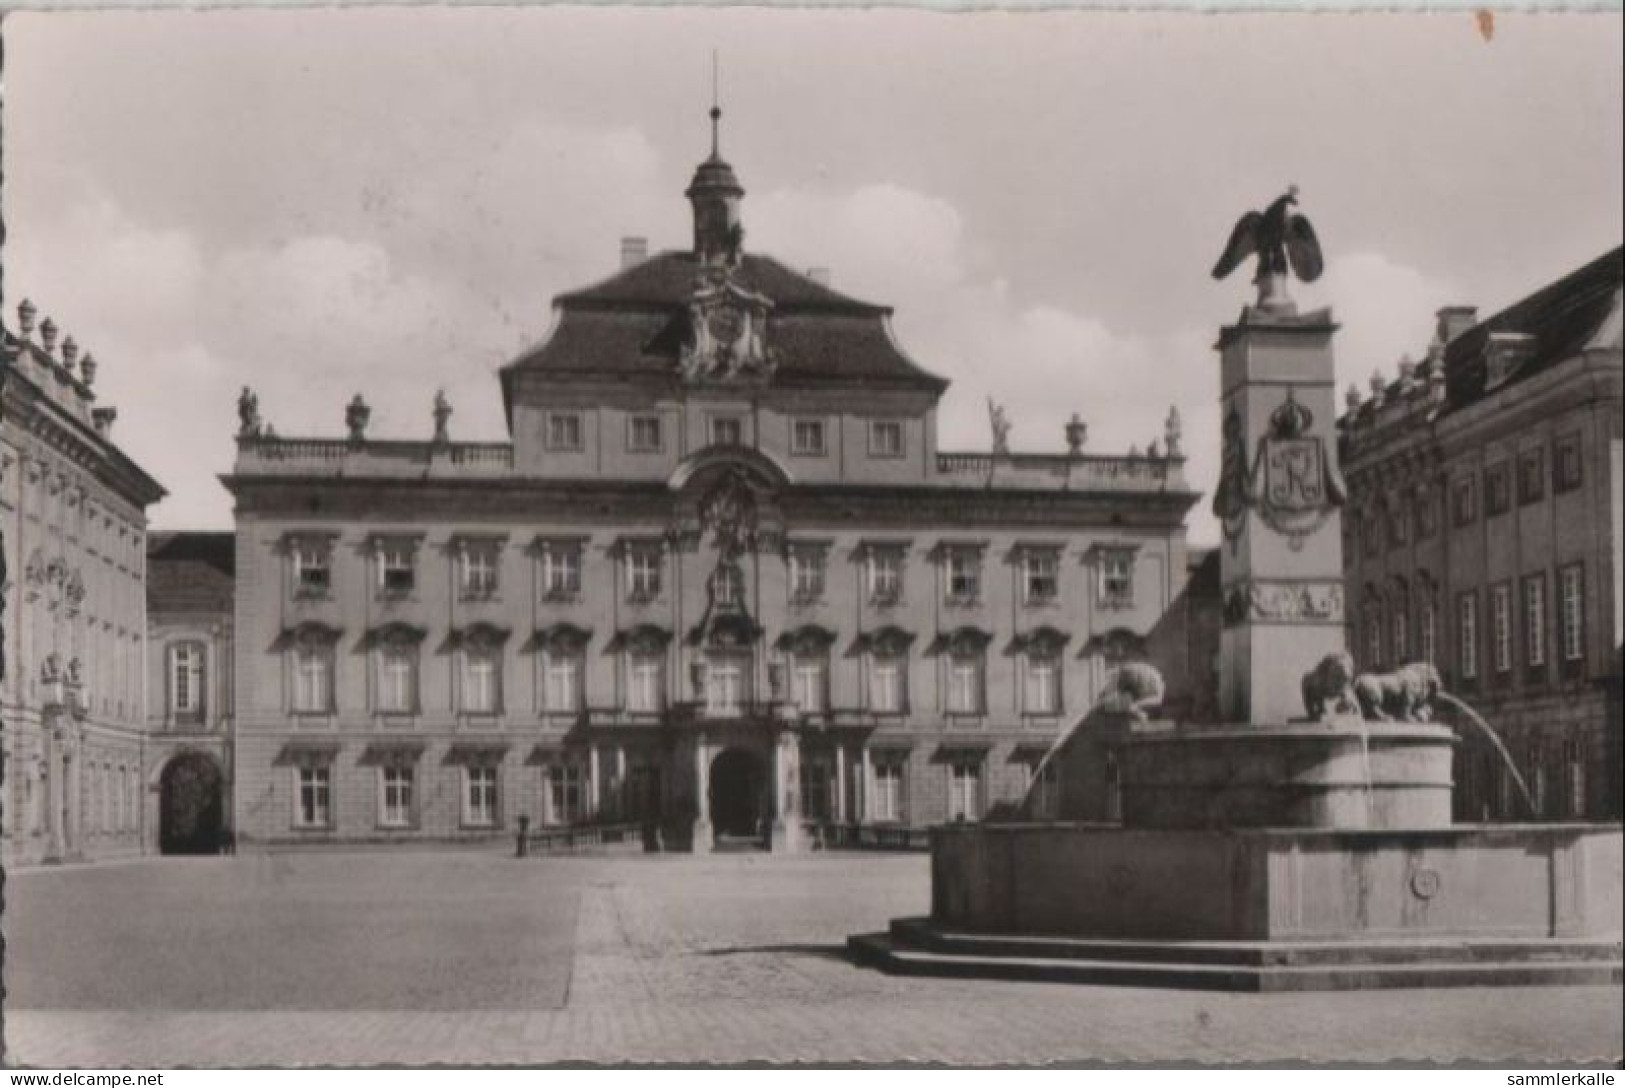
{"x":322,"y":202}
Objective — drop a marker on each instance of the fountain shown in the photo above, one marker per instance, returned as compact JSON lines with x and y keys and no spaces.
{"x":1304,"y":840}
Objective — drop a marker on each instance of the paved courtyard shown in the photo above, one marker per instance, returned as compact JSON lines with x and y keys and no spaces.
{"x":475,"y":957}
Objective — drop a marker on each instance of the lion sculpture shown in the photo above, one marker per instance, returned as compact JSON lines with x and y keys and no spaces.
{"x":1133,"y":689}
{"x":1404,"y":695}
{"x":1328,"y":688}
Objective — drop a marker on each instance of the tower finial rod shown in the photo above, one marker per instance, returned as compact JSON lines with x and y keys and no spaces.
{"x":716,"y":108}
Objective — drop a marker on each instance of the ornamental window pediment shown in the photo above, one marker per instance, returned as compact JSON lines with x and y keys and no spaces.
{"x":563,"y":638}
{"x":808,"y":640}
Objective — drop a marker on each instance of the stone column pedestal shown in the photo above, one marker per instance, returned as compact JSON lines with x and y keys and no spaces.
{"x":1279,"y":501}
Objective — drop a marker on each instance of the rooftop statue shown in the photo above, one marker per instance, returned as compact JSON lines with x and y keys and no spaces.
{"x":1282,"y":240}
{"x":248,"y":413}
{"x":442,"y":416}
{"x":999,"y":420}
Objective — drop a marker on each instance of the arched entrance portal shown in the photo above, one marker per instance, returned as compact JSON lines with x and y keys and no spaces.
{"x":737,"y":781}
{"x":191,"y":802}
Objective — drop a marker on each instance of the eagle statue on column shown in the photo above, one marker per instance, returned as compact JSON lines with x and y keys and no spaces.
{"x":1280,"y":238}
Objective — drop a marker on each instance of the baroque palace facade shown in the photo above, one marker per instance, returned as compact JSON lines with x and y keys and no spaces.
{"x":1484,"y":536}
{"x":73,"y":516}
{"x":721,"y":583}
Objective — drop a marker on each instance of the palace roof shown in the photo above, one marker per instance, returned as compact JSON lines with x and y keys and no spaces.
{"x":633,"y":326}
{"x":190,"y":571}
{"x":1562,"y":319}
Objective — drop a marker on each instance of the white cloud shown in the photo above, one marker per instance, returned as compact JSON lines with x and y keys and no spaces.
{"x":97,"y":269}
{"x":1386,"y":310}
{"x":1043,"y":362}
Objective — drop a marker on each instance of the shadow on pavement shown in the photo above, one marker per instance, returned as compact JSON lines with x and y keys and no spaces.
{"x":812,"y":951}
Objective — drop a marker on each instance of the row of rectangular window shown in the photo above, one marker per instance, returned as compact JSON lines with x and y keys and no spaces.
{"x":1485,"y":790}
{"x":1392,"y":643}
{"x":565,"y":432}
{"x":566,"y":785}
{"x":1566,"y":475}
{"x":1395,"y":525}
{"x":561,"y":572}
{"x":112,"y":797}
{"x":1502,"y":638}
{"x":727,"y":684}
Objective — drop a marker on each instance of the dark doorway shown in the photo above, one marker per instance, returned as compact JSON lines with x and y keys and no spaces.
{"x":736,"y":797}
{"x":190,"y":814}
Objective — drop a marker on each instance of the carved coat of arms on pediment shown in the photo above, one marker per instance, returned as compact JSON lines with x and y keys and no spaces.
{"x":727,"y":333}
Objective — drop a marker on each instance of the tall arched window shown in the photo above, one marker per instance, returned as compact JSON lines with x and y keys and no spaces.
{"x":1040,"y":654}
{"x":312,"y":661}
{"x":886,"y":662}
{"x":186,"y":672}
{"x":395,"y":687}
{"x":480,"y":651}
{"x":966,"y":651}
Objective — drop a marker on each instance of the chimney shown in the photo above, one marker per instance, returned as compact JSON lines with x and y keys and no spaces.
{"x":634,"y":250}
{"x":1455,"y":320}
{"x":820,"y":276}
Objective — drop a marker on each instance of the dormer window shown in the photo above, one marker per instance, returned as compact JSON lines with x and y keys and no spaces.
{"x":1504,"y":354}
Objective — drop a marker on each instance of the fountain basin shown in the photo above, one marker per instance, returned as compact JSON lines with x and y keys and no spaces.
{"x":1467,"y":881}
{"x":1346,"y":775}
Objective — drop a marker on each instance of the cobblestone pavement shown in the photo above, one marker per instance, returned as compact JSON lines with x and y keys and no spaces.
{"x":737,"y":958}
